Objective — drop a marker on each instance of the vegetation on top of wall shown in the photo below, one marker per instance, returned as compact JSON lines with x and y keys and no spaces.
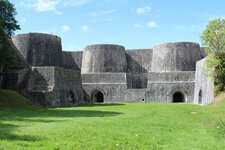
{"x":214,"y":38}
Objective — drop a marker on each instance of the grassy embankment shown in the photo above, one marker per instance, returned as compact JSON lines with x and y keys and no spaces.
{"x":111,"y":126}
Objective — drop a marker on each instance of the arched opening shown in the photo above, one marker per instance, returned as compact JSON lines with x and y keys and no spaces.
{"x":200,"y":97}
{"x":70,"y":97}
{"x":178,"y":97}
{"x":97,"y":96}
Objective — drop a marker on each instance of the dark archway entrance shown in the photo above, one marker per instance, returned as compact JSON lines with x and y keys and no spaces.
{"x":200,"y":97}
{"x":97,"y":96}
{"x":70,"y":97}
{"x":178,"y":97}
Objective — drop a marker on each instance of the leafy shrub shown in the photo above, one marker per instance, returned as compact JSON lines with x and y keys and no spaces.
{"x":215,"y":67}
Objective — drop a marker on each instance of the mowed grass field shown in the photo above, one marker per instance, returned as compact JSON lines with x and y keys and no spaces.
{"x":120,"y":126}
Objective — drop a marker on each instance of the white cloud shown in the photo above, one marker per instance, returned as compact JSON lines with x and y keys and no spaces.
{"x":100,"y":13}
{"x":23,"y":20}
{"x":65,"y":28}
{"x":84,"y":28}
{"x":138,"y":25}
{"x":41,"y":5}
{"x":143,"y":10}
{"x":74,"y":2}
{"x":152,"y":24}
{"x":51,"y":5}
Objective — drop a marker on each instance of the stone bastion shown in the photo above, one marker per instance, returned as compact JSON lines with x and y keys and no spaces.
{"x":107,"y":73}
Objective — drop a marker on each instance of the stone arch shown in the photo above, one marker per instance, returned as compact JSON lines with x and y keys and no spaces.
{"x":178,"y":97}
{"x":200,"y":97}
{"x":97,"y":96}
{"x":70,"y":97}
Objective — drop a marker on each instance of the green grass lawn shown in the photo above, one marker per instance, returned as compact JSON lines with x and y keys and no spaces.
{"x":113,"y":126}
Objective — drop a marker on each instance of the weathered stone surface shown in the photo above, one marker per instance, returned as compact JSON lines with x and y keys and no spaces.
{"x":139,"y":61}
{"x":165,"y":74}
{"x":104,"y":78}
{"x":72,"y":60}
{"x":180,"y":76}
{"x":54,"y":85}
{"x":112,"y":92}
{"x":155,"y":90}
{"x":163,"y":92}
{"x":40,"y":49}
{"x":104,"y":58}
{"x":17,"y":79}
{"x":180,"y":56}
{"x":203,"y":84}
{"x":137,"y":81}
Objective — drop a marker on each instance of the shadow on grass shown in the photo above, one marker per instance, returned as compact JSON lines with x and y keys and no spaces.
{"x":42,"y":114}
{"x":100,"y":104}
{"x":5,"y":134}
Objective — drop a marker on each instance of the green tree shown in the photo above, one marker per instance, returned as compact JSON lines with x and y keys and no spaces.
{"x":8,"y":25}
{"x":213,"y":37}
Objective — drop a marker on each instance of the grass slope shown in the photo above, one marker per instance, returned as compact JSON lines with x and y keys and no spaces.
{"x":9,"y":98}
{"x":114,"y":126}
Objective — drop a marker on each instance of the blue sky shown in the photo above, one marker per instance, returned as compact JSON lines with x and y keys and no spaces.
{"x":131,"y":23}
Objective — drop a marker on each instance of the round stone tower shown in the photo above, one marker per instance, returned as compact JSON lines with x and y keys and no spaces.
{"x":103,"y":58}
{"x":179,"y":56}
{"x":40,"y":49}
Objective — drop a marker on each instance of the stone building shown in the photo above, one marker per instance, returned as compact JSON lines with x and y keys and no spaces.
{"x":170,"y":72}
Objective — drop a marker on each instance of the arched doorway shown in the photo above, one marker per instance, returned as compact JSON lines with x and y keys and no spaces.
{"x":178,"y":97}
{"x":200,"y":97}
{"x":97,"y":96}
{"x":70,"y":97}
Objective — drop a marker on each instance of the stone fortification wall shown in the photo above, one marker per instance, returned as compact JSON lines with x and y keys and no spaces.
{"x":10,"y":75}
{"x":162,"y":86}
{"x":112,"y":93}
{"x":139,"y":61}
{"x":104,"y":58}
{"x":72,"y":60}
{"x":203,"y":84}
{"x":53,"y":86}
{"x":17,"y":79}
{"x":180,"y":56}
{"x":112,"y":86}
{"x":20,"y":61}
{"x":164,"y":92}
{"x":137,"y":81}
{"x":164,"y":74}
{"x":179,"y":76}
{"x":39,"y":49}
{"x":104,"y":78}
{"x":135,"y":96}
